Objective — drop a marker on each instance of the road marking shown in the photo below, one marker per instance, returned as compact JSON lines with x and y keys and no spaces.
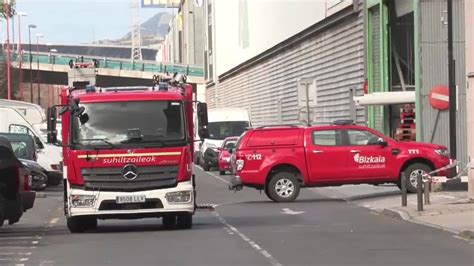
{"x":24,"y":259}
{"x":249,"y":241}
{"x":15,"y":253}
{"x":291,"y":212}
{"x":34,"y":242}
{"x":54,"y":220}
{"x":215,"y":176}
{"x":20,"y":237}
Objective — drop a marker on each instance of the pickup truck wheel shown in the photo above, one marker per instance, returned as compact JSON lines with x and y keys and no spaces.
{"x":411,"y":173}
{"x":283,"y":187}
{"x":184,"y":221}
{"x":169,"y":221}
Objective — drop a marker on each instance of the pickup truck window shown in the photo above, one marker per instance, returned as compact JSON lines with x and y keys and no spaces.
{"x":362,"y":138}
{"x":327,"y":138}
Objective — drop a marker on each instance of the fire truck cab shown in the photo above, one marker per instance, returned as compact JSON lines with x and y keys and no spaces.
{"x":127,"y":153}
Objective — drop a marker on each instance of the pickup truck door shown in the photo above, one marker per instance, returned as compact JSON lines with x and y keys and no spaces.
{"x":327,"y":160}
{"x":367,"y":159}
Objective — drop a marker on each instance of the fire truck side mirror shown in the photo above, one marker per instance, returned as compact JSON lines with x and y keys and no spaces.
{"x":203,"y":133}
{"x":51,"y":125}
{"x":202,"y":114}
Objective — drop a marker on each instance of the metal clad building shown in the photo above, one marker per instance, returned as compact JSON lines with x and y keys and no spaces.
{"x":434,"y":67}
{"x":331,"y":51}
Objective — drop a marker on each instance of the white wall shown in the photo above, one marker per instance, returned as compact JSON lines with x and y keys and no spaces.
{"x":269,"y":23}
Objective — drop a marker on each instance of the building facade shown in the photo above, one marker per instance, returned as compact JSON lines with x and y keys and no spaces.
{"x":406,"y":51}
{"x":469,"y":37}
{"x":257,"y":62}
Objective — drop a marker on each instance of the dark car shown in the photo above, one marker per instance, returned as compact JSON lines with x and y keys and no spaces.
{"x":25,"y":149}
{"x":15,"y":183}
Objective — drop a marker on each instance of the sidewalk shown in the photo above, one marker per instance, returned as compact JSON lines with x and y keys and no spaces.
{"x":448,"y":211}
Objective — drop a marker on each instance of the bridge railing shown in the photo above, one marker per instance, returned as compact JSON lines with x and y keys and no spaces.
{"x":145,"y":66}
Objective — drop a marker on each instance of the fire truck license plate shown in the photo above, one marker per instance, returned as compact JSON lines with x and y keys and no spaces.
{"x":131,"y":199}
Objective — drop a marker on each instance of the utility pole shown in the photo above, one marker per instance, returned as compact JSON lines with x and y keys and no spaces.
{"x":452,"y":89}
{"x":31,"y":26}
{"x":38,"y":36}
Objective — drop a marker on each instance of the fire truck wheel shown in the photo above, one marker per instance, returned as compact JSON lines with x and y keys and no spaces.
{"x":283,"y":187}
{"x":221,"y":172}
{"x":185,"y":221}
{"x":411,"y":173}
{"x":81,"y":224}
{"x":169,"y":221}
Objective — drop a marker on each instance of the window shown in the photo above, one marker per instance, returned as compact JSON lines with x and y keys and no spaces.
{"x":361,"y":138}
{"x":157,"y":122}
{"x":230,"y":144}
{"x":326,"y":138}
{"x":20,"y":149}
{"x":222,"y":130}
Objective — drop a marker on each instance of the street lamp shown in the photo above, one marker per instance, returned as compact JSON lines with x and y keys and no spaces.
{"x":52,"y":56}
{"x":31,"y":26}
{"x":38,"y":36}
{"x":20,"y":52}
{"x":7,"y":13}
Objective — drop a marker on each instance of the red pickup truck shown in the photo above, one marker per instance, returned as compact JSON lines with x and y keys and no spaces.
{"x":282,"y":159}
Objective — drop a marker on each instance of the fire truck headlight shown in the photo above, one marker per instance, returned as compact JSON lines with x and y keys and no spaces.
{"x":179,"y":197}
{"x":82,"y":200}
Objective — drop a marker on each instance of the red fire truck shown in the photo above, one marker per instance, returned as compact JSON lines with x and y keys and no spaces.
{"x":127,"y":152}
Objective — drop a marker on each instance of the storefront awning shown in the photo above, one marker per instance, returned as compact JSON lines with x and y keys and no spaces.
{"x":385,"y":98}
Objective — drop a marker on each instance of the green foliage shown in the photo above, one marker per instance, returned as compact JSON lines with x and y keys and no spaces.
{"x":8,"y":10}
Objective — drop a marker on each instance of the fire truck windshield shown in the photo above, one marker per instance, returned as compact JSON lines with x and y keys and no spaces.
{"x":157,"y":122}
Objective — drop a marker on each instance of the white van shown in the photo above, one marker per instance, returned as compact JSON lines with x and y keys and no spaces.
{"x":12,"y":121}
{"x":223,"y":123}
{"x":33,"y":113}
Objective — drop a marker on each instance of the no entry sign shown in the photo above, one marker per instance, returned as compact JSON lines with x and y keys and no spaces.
{"x":439,"y":97}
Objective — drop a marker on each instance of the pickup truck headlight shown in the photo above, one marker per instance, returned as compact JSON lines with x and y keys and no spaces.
{"x":442,"y":152}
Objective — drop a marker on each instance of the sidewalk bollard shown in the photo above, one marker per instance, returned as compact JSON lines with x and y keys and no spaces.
{"x":427,"y":191}
{"x":419,"y":192}
{"x":403,"y":181}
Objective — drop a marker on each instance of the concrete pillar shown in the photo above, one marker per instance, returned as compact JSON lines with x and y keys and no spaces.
{"x":469,"y":20}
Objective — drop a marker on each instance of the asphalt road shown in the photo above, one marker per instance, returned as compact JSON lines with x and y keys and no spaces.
{"x":245,"y":229}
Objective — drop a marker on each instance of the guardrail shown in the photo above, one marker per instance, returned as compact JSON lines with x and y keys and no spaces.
{"x":424,"y":183}
{"x":144,"y":66}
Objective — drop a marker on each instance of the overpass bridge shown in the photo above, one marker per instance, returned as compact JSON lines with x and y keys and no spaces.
{"x":53,"y":69}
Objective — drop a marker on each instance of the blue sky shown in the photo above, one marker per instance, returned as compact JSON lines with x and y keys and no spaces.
{"x":77,"y":21}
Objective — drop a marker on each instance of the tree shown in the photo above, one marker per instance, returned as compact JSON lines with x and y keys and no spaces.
{"x":8,"y":8}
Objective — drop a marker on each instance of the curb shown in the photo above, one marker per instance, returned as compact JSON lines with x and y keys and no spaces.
{"x":402,"y":215}
{"x":372,"y":195}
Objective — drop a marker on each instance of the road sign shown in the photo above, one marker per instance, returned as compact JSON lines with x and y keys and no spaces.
{"x":439,"y":97}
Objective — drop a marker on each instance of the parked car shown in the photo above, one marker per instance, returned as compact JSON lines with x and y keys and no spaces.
{"x":280,"y":160}
{"x":223,"y":123}
{"x":15,"y":185}
{"x":224,"y":154}
{"x":25,"y":149}
{"x":12,"y":120}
